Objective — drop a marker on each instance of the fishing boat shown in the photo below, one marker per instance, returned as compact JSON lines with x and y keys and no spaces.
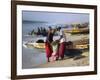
{"x":81,"y":44}
{"x":77,"y":31}
{"x":39,"y":44}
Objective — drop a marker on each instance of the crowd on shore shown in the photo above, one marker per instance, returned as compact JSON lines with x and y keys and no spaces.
{"x":42,"y":31}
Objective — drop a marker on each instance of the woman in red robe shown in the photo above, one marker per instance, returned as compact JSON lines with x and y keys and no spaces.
{"x":62,"y":47}
{"x":49,"y":51}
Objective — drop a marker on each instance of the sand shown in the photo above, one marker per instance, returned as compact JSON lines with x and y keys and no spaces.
{"x":82,"y":60}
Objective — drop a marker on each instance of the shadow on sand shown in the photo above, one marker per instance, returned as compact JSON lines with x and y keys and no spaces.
{"x":74,"y":53}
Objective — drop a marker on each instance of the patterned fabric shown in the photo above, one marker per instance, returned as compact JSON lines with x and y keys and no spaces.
{"x":55,"y":47}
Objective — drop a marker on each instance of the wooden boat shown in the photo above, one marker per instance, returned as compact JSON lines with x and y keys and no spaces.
{"x":39,"y":44}
{"x":81,"y":44}
{"x":78,"y":44}
{"x":77,"y":30}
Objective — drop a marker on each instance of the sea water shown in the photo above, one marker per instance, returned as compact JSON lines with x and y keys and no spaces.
{"x":31,"y":57}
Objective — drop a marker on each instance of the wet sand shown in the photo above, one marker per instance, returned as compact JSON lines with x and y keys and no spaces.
{"x":31,"y":58}
{"x":82,"y":60}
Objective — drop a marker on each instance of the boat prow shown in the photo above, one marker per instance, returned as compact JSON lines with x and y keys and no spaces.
{"x":24,"y":45}
{"x":39,"y":45}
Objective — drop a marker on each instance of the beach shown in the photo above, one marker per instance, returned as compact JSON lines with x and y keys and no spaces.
{"x":68,"y":62}
{"x":36,"y":58}
{"x":36,"y":25}
{"x":81,"y":59}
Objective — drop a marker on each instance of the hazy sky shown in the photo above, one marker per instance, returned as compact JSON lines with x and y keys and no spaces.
{"x":52,"y":17}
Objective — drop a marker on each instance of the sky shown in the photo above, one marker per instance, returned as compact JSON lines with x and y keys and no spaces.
{"x":55,"y":17}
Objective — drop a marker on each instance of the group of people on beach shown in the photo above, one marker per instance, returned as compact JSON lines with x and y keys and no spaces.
{"x":55,"y":48}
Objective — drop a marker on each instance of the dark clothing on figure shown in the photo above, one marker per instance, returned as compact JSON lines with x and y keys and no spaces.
{"x":50,"y":37}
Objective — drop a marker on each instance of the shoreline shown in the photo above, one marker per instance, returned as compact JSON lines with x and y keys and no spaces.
{"x":82,"y":60}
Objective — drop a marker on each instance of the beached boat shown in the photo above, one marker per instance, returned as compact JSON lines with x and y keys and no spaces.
{"x":81,"y":44}
{"x":77,"y":30}
{"x":39,"y":44}
{"x":78,"y":44}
